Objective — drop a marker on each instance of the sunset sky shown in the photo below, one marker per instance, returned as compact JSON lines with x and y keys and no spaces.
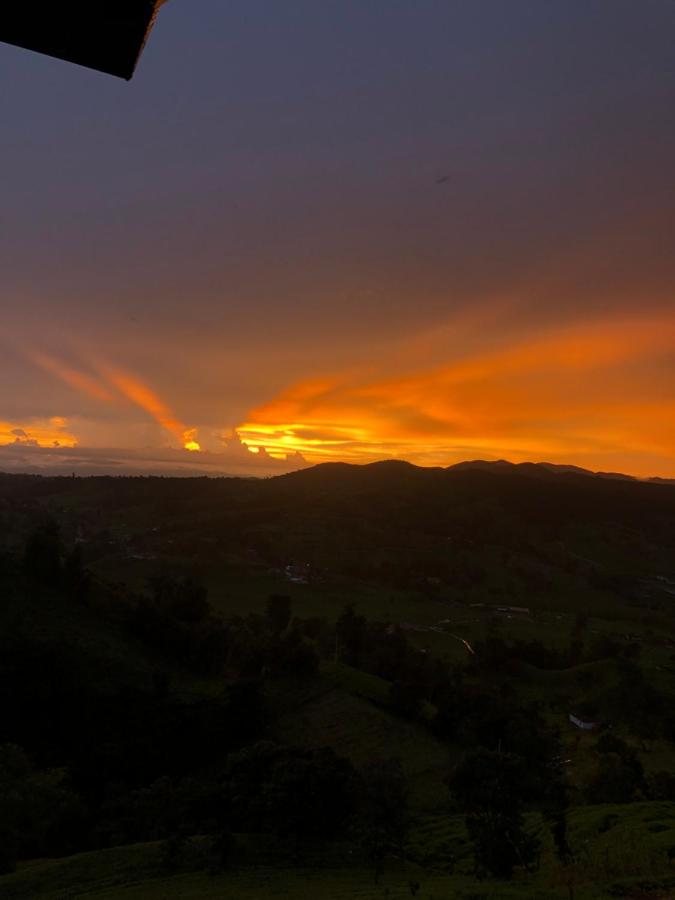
{"x":312,"y":231}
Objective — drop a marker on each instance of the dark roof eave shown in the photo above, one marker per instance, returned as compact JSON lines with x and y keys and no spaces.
{"x":108,"y":35}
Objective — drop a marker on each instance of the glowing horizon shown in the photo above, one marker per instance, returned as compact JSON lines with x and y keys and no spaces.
{"x":566,"y":394}
{"x":573,"y":396}
{"x":128,"y":386}
{"x":453,"y":241}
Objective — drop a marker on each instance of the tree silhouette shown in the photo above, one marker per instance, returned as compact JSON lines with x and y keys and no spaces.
{"x":493,"y":788}
{"x":76,"y":578}
{"x":384,"y":818}
{"x":278,"y":613}
{"x":43,"y":554}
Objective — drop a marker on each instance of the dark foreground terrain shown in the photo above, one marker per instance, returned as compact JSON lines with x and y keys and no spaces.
{"x":377,"y":681}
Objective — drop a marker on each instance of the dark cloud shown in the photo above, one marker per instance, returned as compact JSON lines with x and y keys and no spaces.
{"x":28,"y":457}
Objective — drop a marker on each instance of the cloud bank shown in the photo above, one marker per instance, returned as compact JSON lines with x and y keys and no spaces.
{"x":25,"y":455}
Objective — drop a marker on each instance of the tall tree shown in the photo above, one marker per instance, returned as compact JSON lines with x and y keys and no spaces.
{"x":384,"y":819}
{"x":492,"y":788}
{"x":43,"y":554}
{"x":278,"y":613}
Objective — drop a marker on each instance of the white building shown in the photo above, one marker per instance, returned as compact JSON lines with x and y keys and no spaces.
{"x":580,"y":723}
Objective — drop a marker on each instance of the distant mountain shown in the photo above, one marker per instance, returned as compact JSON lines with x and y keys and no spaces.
{"x":502,"y":465}
{"x":375,"y":475}
{"x":397,"y":473}
{"x":490,"y":465}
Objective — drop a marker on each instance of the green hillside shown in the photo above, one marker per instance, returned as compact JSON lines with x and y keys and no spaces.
{"x":344,"y":682}
{"x":627,"y":853}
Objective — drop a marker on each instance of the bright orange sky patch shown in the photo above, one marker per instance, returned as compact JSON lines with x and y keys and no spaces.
{"x":38,"y":432}
{"x":573,"y":395}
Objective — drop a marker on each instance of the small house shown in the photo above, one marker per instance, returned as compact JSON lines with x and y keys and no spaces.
{"x":583,"y":724}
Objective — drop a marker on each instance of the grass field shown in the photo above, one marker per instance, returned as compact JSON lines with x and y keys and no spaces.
{"x":341,"y":711}
{"x":622,"y":851}
{"x":58,"y":622}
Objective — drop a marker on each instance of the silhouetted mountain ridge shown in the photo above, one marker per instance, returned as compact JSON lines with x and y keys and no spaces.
{"x":502,"y":465}
{"x":378,"y":472}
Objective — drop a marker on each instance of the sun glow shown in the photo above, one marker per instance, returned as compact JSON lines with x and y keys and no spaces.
{"x":190,"y":441}
{"x":568,"y":395}
{"x":601,"y":395}
{"x":111,"y":385}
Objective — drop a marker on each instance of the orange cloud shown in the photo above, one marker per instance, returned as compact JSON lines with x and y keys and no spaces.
{"x":128,"y":385}
{"x":87,"y":384}
{"x":51,"y":432}
{"x":602,"y":395}
{"x":148,"y":400}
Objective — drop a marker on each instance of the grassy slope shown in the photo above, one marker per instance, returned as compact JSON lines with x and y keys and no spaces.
{"x":340,"y":710}
{"x":49,"y":618}
{"x":620,"y":847}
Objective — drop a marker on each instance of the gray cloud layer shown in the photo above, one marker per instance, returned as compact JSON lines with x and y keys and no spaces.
{"x":26,"y":457}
